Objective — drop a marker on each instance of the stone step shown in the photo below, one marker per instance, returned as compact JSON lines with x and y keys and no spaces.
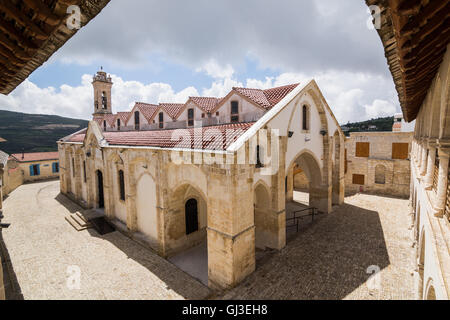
{"x":75,"y":225}
{"x":81,"y":222}
{"x":81,"y":216}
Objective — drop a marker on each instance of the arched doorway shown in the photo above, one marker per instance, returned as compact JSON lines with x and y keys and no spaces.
{"x":311,"y":183}
{"x":191,"y":215}
{"x":101,"y":195}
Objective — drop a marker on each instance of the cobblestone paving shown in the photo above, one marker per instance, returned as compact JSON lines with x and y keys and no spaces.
{"x":330,"y":259}
{"x":42,"y":245}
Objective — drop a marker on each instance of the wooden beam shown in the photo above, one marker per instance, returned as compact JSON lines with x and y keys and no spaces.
{"x":18,"y":15}
{"x":43,"y":12}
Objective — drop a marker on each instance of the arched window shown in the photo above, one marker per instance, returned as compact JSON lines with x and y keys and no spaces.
{"x":191,"y":213}
{"x":259,"y":156}
{"x":380,"y":174}
{"x":305,"y":118}
{"x":104,"y":100}
{"x":121,"y":185}
{"x":161,"y":120}
{"x":118,"y":124}
{"x":136,"y":120}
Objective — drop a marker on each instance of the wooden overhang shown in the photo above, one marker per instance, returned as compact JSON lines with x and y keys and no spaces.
{"x":415,"y":35}
{"x":31,"y":31}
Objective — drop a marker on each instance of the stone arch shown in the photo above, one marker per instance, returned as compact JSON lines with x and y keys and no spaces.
{"x":177,"y":237}
{"x":320,"y":195}
{"x":262,"y":201}
{"x":146,"y":207}
{"x":380,"y":174}
{"x":430,"y":293}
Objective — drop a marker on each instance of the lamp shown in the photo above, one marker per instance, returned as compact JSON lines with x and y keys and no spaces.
{"x":290,"y":134}
{"x":323,"y":132}
{"x":88,"y":154}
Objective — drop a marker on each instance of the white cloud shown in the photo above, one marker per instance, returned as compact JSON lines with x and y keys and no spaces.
{"x":351,"y":96}
{"x":380,"y":108}
{"x":213,"y":69}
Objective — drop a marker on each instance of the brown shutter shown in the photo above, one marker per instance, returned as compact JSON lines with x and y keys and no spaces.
{"x":400,"y":151}
{"x":363,"y":149}
{"x":358,"y":179}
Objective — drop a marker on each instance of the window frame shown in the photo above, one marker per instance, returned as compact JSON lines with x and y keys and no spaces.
{"x":121,"y":178}
{"x":234,"y":115}
{"x":137,"y":120}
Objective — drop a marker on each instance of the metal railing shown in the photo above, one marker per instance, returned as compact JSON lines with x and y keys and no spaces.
{"x":298,"y":217}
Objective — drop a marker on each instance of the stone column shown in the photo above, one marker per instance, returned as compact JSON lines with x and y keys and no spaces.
{"x":231,"y":229}
{"x":430,"y":168}
{"x":290,"y":185}
{"x":424,"y":158}
{"x":278,"y":194}
{"x":441,"y":195}
{"x":130,"y":199}
{"x":78,"y":174}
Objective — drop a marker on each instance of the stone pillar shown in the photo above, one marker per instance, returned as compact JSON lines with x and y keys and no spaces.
{"x":231,"y":229}
{"x":278,"y":194}
{"x":130,"y":199}
{"x":424,"y":158}
{"x":78,"y":174}
{"x":441,"y":195}
{"x":290,"y":185}
{"x":430,"y":168}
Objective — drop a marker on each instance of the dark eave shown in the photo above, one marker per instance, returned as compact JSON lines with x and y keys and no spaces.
{"x":31,"y":31}
{"x":415,"y":35}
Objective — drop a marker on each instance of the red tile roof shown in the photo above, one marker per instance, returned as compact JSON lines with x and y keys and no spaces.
{"x":207,"y":104}
{"x":124,"y":116}
{"x":213,"y":138}
{"x":266,"y":98}
{"x":37,"y":156}
{"x":110,"y":118}
{"x":173,"y":109}
{"x":148,"y":110}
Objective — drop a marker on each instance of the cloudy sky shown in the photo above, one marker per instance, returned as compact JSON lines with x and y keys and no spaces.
{"x":168,"y":50}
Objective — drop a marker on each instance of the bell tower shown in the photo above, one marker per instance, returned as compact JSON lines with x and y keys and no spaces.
{"x":102,"y":84}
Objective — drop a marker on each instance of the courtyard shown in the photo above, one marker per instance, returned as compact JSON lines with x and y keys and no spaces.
{"x":330,"y":258}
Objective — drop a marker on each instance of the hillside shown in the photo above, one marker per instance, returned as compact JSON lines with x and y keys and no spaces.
{"x":381,"y":124}
{"x":33,"y":132}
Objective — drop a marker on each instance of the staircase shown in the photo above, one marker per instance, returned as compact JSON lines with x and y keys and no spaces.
{"x":78,"y":221}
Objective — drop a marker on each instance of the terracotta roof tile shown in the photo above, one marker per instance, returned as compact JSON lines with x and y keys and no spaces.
{"x":207,"y":104}
{"x":275,"y":95}
{"x":173,"y":109}
{"x":37,"y":156}
{"x":214,"y":137}
{"x":148,"y":110}
{"x":110,"y":118}
{"x":124,"y":116}
{"x":266,"y":98}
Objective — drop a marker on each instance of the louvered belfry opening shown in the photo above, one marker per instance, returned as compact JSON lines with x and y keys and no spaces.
{"x":31,"y":31}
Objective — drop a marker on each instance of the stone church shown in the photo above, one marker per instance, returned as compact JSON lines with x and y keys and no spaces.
{"x":214,"y":170}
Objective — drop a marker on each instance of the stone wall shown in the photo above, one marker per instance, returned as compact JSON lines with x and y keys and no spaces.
{"x":396,"y":178}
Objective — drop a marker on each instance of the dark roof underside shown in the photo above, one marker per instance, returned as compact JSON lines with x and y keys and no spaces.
{"x":31,"y":31}
{"x":415,"y":34}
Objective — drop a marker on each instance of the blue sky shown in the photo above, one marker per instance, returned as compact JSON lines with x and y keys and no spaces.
{"x":160,"y":51}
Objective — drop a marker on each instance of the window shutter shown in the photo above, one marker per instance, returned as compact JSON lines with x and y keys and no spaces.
{"x":31,"y":171}
{"x":38,"y":170}
{"x":53,"y":167}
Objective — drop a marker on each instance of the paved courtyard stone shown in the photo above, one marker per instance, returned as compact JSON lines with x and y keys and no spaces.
{"x":335,"y":257}
{"x":46,"y":251}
